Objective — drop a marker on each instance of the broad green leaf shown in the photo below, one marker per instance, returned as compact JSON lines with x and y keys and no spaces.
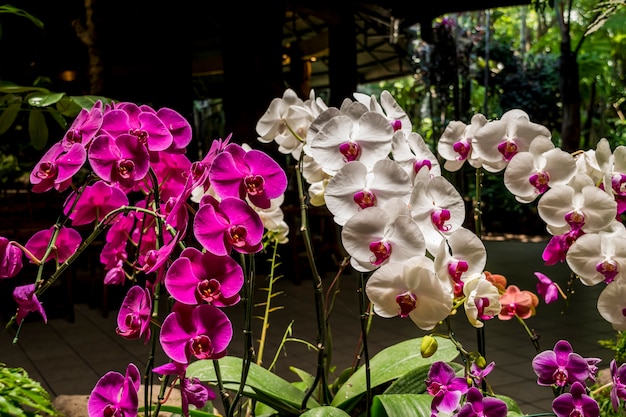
{"x":87,"y":102}
{"x":37,"y":129}
{"x":304,"y":376}
{"x":392,"y":363}
{"x":68,"y":107}
{"x":58,"y":117}
{"x":325,"y":411}
{"x":261,"y":384}
{"x":413,"y":381}
{"x":7,"y":8}
{"x":511,"y":404}
{"x":8,"y":116}
{"x":402,"y":405}
{"x":16,"y":89}
{"x":44,"y":99}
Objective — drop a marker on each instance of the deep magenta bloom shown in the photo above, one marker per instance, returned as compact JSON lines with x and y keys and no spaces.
{"x":133,"y":318}
{"x":27,"y":302}
{"x":479,"y":406}
{"x":618,"y":390}
{"x":84,"y":127}
{"x":237,"y":173}
{"x":192,"y":390}
{"x":197,"y":277}
{"x":202,"y":331}
{"x":122,"y":160}
{"x":547,"y":288}
{"x":560,"y":366}
{"x":178,"y":126}
{"x":140,"y":122}
{"x":576,"y":402}
{"x":557,"y":247}
{"x":172,"y":171}
{"x":10,"y":259}
{"x":446,"y":388}
{"x":115,"y":395}
{"x":226,"y":225}
{"x":57,"y":167}
{"x":66,"y":243}
{"x":96,"y":202}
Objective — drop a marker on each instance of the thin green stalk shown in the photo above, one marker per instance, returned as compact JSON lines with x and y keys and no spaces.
{"x":268,"y":306}
{"x":480,"y":332}
{"x":364,"y":332}
{"x":220,"y":385}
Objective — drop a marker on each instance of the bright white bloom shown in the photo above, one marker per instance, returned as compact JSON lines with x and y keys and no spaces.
{"x":455,"y":145}
{"x":530,"y":174}
{"x":410,"y":289}
{"x":612,"y":304}
{"x":580,"y":205}
{"x":460,"y":256}
{"x":483,"y":300}
{"x":341,"y":140}
{"x":379,"y":235}
{"x":353,"y":109}
{"x":279,"y":115}
{"x":273,"y":219}
{"x":499,"y":140}
{"x":438,"y":209}
{"x":353,"y":188}
{"x":412,"y":153}
{"x":599,"y":257}
{"x":317,"y":191}
{"x":389,"y":108}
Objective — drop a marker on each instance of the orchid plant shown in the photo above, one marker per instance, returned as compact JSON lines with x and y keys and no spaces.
{"x":187,"y":232}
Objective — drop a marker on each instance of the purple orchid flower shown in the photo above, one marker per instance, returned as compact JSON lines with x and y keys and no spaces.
{"x":121,"y":160}
{"x":547,"y":288}
{"x":575,"y":403}
{"x":10,"y":259}
{"x":116,"y":394}
{"x":57,"y":167}
{"x":200,"y":169}
{"x":95,"y":203}
{"x":85,"y":127}
{"x":140,"y":122}
{"x":557,"y":247}
{"x":193,"y":391}
{"x":479,"y":406}
{"x":237,"y":173}
{"x":202,"y":331}
{"x":178,"y":126}
{"x":229,"y":224}
{"x":133,"y":318}
{"x":478,"y":374}
{"x":560,"y":366}
{"x":27,"y":302}
{"x":172,"y":172}
{"x":446,"y":388}
{"x":618,"y":390}
{"x":197,"y":277}
{"x":66,"y":243}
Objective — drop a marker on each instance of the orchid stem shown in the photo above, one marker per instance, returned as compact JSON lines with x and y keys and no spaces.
{"x":364,"y":332}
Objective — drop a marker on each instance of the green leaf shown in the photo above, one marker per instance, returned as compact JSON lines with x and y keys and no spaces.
{"x":392,"y":363}
{"x":325,"y":411}
{"x":304,"y":376}
{"x":87,"y":102}
{"x":413,"y":381}
{"x":7,"y":8}
{"x":8,"y":116}
{"x":44,"y":99}
{"x":58,"y":117}
{"x":37,"y":129}
{"x":16,"y":89}
{"x":401,"y":405}
{"x":512,"y":406}
{"x":261,"y":384}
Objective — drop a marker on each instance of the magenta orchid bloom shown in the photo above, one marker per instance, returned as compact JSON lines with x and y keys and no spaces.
{"x":172,"y":171}
{"x":140,"y":122}
{"x":478,"y":374}
{"x":237,"y":173}
{"x":116,"y":394}
{"x":133,"y":318}
{"x":202,"y":331}
{"x":229,"y":224}
{"x":479,"y":406}
{"x":561,"y":366}
{"x":10,"y":259}
{"x":575,"y":403}
{"x":618,"y":390}
{"x":192,"y":390}
{"x":197,"y":277}
{"x":57,"y":167}
{"x":446,"y":388}
{"x":547,"y":288}
{"x":27,"y":302}
{"x":95,"y":203}
{"x":178,"y":126}
{"x":85,"y":127}
{"x":121,"y":160}
{"x":67,"y":242}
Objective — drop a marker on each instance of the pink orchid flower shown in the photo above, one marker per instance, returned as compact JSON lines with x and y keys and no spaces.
{"x":85,"y":127}
{"x":140,"y":122}
{"x":201,"y":332}
{"x":133,"y":318}
{"x":229,"y":224}
{"x":116,"y":394}
{"x":178,"y":126}
{"x":121,"y":160}
{"x":547,"y":288}
{"x":10,"y":259}
{"x":27,"y":302}
{"x":66,"y":243}
{"x":237,"y":173}
{"x":95,"y":203}
{"x":193,"y":391}
{"x":517,"y":302}
{"x":197,"y":277}
{"x":57,"y":167}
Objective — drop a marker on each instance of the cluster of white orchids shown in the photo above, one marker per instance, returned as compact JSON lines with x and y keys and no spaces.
{"x":402,"y":220}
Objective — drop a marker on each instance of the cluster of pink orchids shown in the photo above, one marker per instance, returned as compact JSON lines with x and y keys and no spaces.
{"x":401,"y":223}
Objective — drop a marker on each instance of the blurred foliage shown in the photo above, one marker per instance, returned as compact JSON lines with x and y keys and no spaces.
{"x":21,"y":396}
